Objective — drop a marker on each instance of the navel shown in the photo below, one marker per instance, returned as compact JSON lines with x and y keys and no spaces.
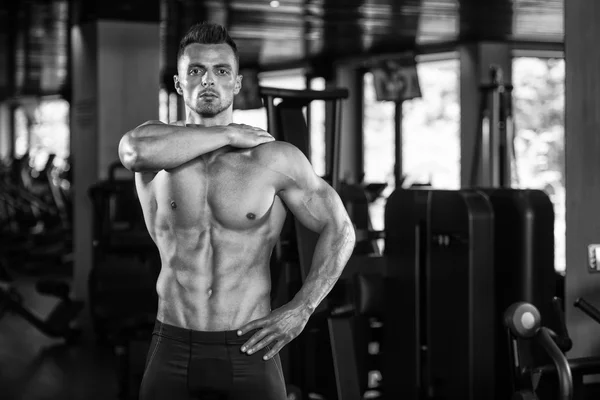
{"x":251,"y":216}
{"x":173,"y":205}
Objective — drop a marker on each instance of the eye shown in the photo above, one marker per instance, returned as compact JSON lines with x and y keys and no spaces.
{"x":222,"y":71}
{"x":194,"y":71}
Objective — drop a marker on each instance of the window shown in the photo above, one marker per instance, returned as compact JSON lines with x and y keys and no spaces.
{"x":43,"y":132}
{"x":430,"y":134}
{"x":21,"y":133}
{"x":317,"y":129}
{"x":167,"y":106}
{"x":539,"y":104}
{"x":431,"y":127}
{"x":378,"y":135}
{"x":50,"y":133}
{"x":163,"y":106}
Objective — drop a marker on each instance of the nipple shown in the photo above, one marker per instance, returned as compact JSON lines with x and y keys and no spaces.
{"x":209,"y":292}
{"x":173,"y":205}
{"x":250,"y":216}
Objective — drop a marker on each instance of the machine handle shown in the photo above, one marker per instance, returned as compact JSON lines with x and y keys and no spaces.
{"x":561,"y":363}
{"x":562,"y":338}
{"x":587,"y":308}
{"x":330,"y":94}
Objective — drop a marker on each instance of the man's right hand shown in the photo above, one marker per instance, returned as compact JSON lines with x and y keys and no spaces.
{"x":245,"y":136}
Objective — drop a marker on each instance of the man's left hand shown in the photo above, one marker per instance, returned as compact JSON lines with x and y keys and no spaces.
{"x":278,"y":329}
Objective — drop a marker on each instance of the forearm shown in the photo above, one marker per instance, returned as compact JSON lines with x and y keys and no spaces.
{"x":332,"y":252}
{"x":154,"y":147}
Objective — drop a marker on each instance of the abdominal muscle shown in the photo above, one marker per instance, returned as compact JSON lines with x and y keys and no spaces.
{"x":213,"y":279}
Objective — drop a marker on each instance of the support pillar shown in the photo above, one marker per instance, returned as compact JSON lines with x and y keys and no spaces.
{"x":115,"y":87}
{"x":351,"y":150}
{"x":582,"y":146}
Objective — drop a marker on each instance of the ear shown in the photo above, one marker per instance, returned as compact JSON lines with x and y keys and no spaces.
{"x":238,"y":84}
{"x":177,"y":84}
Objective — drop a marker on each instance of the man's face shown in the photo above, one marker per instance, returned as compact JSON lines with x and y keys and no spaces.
{"x":207,"y":78}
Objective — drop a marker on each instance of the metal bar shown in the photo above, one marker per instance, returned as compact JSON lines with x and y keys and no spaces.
{"x":398,"y":145}
{"x":589,"y":309}
{"x":307,"y":94}
{"x":344,"y":359}
{"x":336,"y":144}
{"x":560,"y":362}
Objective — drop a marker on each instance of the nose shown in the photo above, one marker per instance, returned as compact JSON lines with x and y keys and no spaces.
{"x":207,"y":79}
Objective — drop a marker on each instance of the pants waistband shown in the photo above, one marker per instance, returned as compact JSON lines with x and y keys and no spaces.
{"x":193,"y":336}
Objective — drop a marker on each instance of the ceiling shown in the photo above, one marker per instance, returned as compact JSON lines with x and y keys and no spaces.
{"x":34,"y":33}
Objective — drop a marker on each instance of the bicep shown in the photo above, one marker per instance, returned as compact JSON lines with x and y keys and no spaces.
{"x":312,"y":201}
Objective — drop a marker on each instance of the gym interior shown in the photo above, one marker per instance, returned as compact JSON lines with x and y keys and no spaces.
{"x":461,"y":136}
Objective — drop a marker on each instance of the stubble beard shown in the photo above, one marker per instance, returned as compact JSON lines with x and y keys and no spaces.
{"x":210,"y":108}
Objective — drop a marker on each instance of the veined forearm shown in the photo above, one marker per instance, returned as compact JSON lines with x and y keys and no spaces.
{"x":332,"y":252}
{"x":154,"y":147}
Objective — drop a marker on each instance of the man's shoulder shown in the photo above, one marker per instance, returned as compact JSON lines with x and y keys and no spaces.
{"x":285,"y":160}
{"x":277,"y":152}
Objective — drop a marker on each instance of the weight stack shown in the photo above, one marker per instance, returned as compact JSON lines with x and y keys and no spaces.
{"x":439,"y":331}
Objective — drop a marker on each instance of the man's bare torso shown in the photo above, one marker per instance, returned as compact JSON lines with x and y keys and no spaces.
{"x":215,"y":221}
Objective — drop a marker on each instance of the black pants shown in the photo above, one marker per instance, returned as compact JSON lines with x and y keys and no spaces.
{"x":187,"y":364}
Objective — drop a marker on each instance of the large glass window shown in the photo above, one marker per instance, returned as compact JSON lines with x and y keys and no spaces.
{"x":42,"y":129}
{"x":50,"y":132}
{"x":430,"y":134}
{"x":21,"y":132}
{"x":317,"y":129}
{"x":431,"y":127}
{"x":539,"y":103}
{"x":168,"y":104}
{"x":378,"y":135}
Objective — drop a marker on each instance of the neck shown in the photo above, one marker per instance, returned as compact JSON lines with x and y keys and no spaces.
{"x":223,"y":118}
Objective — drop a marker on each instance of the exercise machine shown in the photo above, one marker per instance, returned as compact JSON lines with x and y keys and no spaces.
{"x":122,"y":282}
{"x":524,"y":327}
{"x":439,"y":331}
{"x":59,"y":323}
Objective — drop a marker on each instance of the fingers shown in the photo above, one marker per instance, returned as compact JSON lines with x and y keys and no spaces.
{"x":273,"y":352}
{"x":253,"y":348}
{"x":257,"y":337}
{"x":250,"y":326}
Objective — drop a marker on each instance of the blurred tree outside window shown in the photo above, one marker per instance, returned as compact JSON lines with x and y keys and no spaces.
{"x":539,"y":105}
{"x":317,"y":129}
{"x":431,"y":127}
{"x":44,"y":131}
{"x":50,"y":133}
{"x":430,"y":134}
{"x":163,"y":106}
{"x":21,"y":133}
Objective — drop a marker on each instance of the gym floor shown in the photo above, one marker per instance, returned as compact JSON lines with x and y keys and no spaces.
{"x":35,"y":367}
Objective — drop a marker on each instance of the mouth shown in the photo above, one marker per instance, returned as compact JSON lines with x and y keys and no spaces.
{"x":208,"y":94}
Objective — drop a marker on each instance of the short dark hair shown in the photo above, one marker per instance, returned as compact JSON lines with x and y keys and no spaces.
{"x":207,"y":33}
